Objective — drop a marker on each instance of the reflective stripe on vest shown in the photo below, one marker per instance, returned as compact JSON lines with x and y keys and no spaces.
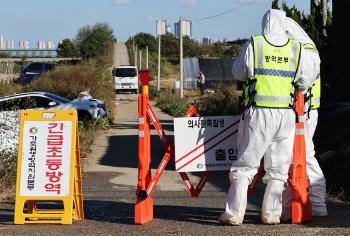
{"x":316,"y":93}
{"x":275,"y":68}
{"x":315,"y":90}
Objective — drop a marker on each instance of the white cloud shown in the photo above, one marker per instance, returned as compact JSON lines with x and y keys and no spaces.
{"x":121,"y":2}
{"x":189,"y":3}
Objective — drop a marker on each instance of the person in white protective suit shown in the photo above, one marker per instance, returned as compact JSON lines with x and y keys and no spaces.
{"x":317,"y":182}
{"x":270,"y":66}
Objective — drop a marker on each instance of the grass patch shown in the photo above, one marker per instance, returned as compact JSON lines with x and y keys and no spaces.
{"x":171,"y":104}
{"x":88,"y":130}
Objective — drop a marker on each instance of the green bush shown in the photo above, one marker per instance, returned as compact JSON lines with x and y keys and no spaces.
{"x":224,"y":101}
{"x":172,"y":104}
{"x":88,"y":130}
{"x":153,"y":92}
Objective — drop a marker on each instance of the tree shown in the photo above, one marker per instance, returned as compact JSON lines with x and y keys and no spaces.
{"x":145,"y":39}
{"x":170,"y":46}
{"x":190,"y":47}
{"x":67,"y":48}
{"x":275,"y":4}
{"x":94,"y":41}
{"x":211,"y":50}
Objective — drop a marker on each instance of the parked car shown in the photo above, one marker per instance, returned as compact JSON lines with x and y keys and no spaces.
{"x":33,"y":71}
{"x":87,"y":108}
{"x":126,"y":79}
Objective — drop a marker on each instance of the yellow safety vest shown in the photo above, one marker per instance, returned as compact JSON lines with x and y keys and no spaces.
{"x":314,"y":93}
{"x":275,"y":68}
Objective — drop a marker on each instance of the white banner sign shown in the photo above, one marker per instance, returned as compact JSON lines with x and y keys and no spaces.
{"x":46,"y":156}
{"x":205,"y":143}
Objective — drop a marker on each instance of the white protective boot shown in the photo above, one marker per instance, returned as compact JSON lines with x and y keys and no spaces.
{"x":236,"y":202}
{"x":272,"y":204}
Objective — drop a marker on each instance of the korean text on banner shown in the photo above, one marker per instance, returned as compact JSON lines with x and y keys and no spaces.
{"x":46,"y":157}
{"x":205,"y":143}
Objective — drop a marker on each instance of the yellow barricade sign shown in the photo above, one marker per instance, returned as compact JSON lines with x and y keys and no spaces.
{"x":49,"y":187}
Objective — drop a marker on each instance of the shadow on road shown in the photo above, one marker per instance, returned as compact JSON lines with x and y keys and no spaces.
{"x":123,"y":152}
{"x":123,"y":213}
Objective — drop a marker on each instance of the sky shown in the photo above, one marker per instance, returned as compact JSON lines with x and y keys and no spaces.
{"x":35,"y":20}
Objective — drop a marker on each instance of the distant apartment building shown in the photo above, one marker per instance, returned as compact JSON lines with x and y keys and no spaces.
{"x":41,"y":45}
{"x":9,"y":44}
{"x":186,"y":28}
{"x":168,"y":28}
{"x":23,"y":44}
{"x":2,"y":42}
{"x":207,"y":40}
{"x":161,"y":27}
{"x":50,"y":45}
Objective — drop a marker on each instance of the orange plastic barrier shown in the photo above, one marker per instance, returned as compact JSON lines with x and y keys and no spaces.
{"x":144,"y":204}
{"x":146,"y":183}
{"x":301,"y":208}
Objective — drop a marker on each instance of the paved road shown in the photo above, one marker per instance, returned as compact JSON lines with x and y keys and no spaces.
{"x":121,"y":55}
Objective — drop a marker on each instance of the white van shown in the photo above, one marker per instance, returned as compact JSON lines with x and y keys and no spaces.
{"x":126,"y":79}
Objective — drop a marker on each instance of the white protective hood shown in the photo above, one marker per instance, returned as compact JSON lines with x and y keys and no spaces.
{"x":274,"y":27}
{"x":294,"y":31}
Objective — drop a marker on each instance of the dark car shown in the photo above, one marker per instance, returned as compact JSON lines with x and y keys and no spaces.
{"x":33,"y":71}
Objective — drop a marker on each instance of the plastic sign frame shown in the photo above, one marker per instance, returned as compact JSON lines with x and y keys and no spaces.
{"x":62,"y":167}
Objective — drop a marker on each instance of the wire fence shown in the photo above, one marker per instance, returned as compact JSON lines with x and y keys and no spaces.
{"x":7,"y":74}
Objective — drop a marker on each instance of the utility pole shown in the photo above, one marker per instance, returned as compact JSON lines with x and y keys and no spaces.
{"x":147,"y":57}
{"x":135,"y":56}
{"x":324,"y":18}
{"x":140,"y":60}
{"x":181,"y":61}
{"x":158,"y":78}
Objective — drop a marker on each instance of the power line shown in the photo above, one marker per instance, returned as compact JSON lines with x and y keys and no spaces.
{"x":225,"y":12}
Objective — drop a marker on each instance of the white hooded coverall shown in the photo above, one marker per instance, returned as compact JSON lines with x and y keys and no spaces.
{"x":259,"y":128}
{"x":317,"y":187}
